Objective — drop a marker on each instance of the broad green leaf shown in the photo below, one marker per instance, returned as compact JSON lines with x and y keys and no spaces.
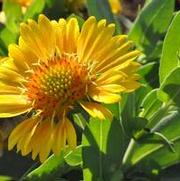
{"x":153,"y":148}
{"x":170,"y":88}
{"x":103,"y":147}
{"x":101,"y":10}
{"x":54,"y":166}
{"x":13,"y":14}
{"x":74,"y":157}
{"x":171,"y":49}
{"x":151,"y":24}
{"x":35,"y":8}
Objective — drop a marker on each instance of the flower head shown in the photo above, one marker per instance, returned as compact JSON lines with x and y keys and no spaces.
{"x":56,"y":67}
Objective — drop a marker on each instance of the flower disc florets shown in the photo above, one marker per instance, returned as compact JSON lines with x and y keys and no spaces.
{"x":57,"y":84}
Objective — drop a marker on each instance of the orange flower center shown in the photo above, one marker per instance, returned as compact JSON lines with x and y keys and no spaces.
{"x":58,"y":84}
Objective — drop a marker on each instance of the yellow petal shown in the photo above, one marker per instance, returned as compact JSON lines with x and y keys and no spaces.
{"x":31,"y":36}
{"x":60,"y":135}
{"x":24,"y":144}
{"x":96,"y":110}
{"x":72,"y":34}
{"x":112,"y":48}
{"x":20,"y":131}
{"x":97,"y":35}
{"x":115,"y":6}
{"x":46,"y":30}
{"x":9,"y":75}
{"x":115,"y":61}
{"x":8,"y":89}
{"x":104,"y":96}
{"x":110,"y":77}
{"x":88,"y":32}
{"x":130,"y":85}
{"x":61,"y":34}
{"x":114,"y":88}
{"x":47,"y":142}
{"x":71,"y":134}
{"x":13,"y":105}
{"x":19,"y":58}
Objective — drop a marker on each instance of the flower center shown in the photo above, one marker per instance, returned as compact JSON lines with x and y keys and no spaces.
{"x":58,"y":84}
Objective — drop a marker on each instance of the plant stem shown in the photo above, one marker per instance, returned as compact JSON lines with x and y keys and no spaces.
{"x":126,"y":163}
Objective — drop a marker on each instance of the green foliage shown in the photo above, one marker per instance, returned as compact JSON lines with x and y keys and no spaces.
{"x":5,"y":178}
{"x":12,"y":22}
{"x":35,"y":8}
{"x":171,"y":49}
{"x":143,"y":139}
{"x":56,"y":166}
{"x":100,"y":161}
{"x":170,"y":88}
{"x":151,"y":24}
{"x":74,"y":157}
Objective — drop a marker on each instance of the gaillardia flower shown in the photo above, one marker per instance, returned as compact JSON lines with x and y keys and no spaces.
{"x":56,"y":67}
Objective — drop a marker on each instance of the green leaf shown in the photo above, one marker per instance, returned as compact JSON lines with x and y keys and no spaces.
{"x":5,"y":178}
{"x":35,"y":8}
{"x":6,"y":37}
{"x":154,"y":148}
{"x":150,"y":105}
{"x":54,"y":166}
{"x":146,"y":71}
{"x":103,"y":147}
{"x":13,"y":14}
{"x":151,"y":24}
{"x":170,"y":88}
{"x":74,"y":158}
{"x":79,"y":120}
{"x":171,"y":49}
{"x":101,"y":10}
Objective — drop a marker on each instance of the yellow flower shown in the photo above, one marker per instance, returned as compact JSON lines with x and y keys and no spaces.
{"x":57,"y":67}
{"x":115,"y":6}
{"x":75,"y":5}
{"x":24,"y":3}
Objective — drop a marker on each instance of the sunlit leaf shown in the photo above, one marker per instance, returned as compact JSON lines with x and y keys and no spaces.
{"x":35,"y":8}
{"x":74,"y":157}
{"x":13,"y":14}
{"x":171,"y":49}
{"x":151,"y":24}
{"x":170,"y":88}
{"x":103,"y":147}
{"x":155,"y":149}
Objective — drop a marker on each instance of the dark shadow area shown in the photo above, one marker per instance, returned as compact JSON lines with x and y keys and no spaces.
{"x":14,"y":165}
